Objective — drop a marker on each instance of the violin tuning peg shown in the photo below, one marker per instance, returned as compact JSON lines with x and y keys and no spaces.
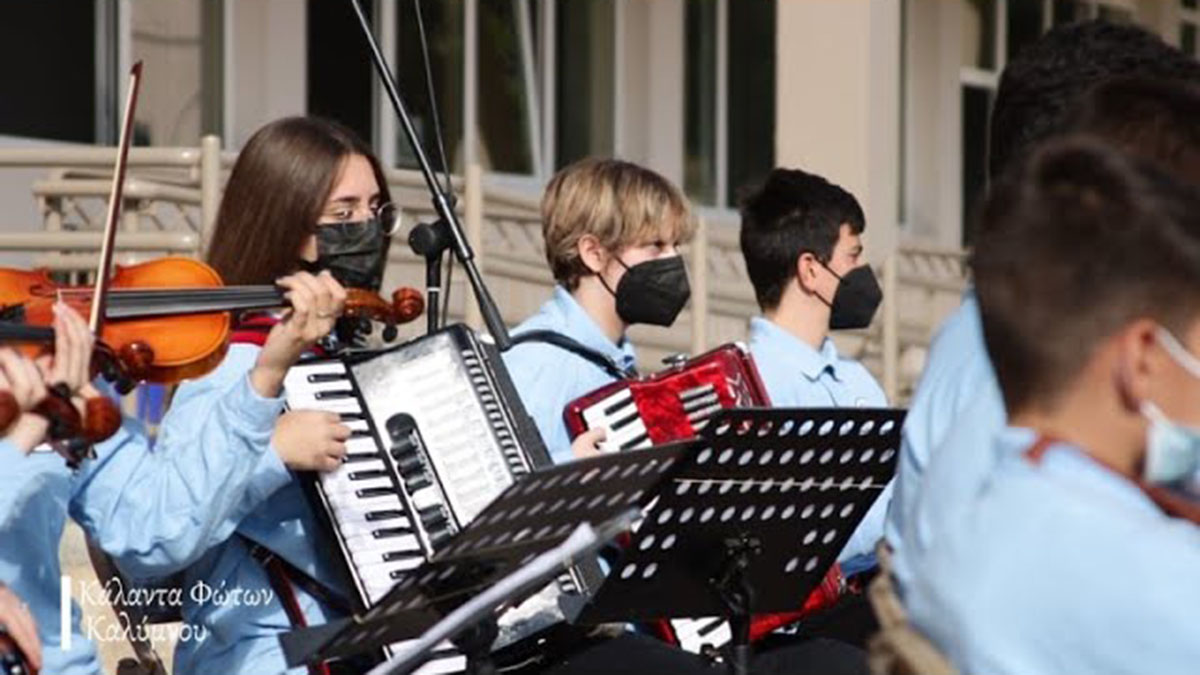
{"x":390,"y":332}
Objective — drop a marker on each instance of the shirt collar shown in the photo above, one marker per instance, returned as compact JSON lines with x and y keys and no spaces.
{"x":576,"y":323}
{"x":793,"y":352}
{"x":1068,"y":462}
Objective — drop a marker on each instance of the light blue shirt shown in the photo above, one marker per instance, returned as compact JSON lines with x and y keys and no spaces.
{"x":957,"y":396}
{"x":156,"y":511}
{"x":549,"y":377}
{"x":33,"y":511}
{"x":798,"y":376}
{"x":1060,"y":566}
{"x":211,"y":475}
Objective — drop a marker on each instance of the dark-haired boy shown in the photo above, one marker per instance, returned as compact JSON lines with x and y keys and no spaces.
{"x":801,"y":239}
{"x":957,"y":403}
{"x":1065,"y":560}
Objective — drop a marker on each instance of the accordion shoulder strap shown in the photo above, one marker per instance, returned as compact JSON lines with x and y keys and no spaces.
{"x":575,"y":347}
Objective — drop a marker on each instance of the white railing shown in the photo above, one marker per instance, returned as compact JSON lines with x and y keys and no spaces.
{"x":172,"y":194}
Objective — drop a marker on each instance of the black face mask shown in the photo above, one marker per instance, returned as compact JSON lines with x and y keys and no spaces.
{"x":652,"y":292}
{"x":354,"y":253}
{"x":856,"y":299}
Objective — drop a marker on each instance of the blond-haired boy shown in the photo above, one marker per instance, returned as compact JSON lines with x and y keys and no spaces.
{"x":612,"y":231}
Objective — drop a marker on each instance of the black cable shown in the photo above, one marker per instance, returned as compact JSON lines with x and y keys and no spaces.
{"x":433,"y":106}
{"x":446,"y":288}
{"x":441,"y":145}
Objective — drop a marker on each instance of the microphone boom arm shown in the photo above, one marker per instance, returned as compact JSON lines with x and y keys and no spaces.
{"x":441,"y":203}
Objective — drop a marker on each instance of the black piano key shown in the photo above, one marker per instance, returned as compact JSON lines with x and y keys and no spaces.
{"x":367,"y":493}
{"x":635,"y":441}
{"x":317,"y":378}
{"x":619,"y":406}
{"x":360,"y":433}
{"x":360,"y":456}
{"x":626,"y":420}
{"x":392,"y":556}
{"x":333,"y":395}
{"x":366,"y":475}
{"x":388,"y":532}
{"x":351,"y":416}
{"x":384,"y":514}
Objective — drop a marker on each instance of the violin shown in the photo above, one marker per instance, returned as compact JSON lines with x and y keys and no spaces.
{"x":100,"y":419}
{"x":169,"y":319}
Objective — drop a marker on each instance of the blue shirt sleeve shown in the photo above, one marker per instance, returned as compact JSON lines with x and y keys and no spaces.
{"x":157,"y":510}
{"x":958,"y":373}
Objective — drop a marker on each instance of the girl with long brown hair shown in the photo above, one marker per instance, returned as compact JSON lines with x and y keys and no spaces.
{"x":304,"y":208}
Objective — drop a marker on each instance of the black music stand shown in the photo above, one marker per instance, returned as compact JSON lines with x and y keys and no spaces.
{"x":532,"y":516}
{"x":753,"y":519}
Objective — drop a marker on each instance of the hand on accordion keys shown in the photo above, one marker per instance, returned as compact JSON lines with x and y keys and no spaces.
{"x":310,"y":440}
{"x":588,"y":443}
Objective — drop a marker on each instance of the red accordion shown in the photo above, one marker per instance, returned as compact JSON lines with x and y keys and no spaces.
{"x":673,"y":405}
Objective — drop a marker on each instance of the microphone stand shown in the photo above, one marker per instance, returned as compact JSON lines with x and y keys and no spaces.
{"x":441,"y":202}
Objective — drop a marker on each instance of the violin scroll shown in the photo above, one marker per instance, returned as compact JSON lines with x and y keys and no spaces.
{"x":408,"y":304}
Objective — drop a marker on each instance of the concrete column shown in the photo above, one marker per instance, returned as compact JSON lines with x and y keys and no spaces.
{"x":650,"y":115}
{"x":270,"y":76}
{"x":837,"y":102}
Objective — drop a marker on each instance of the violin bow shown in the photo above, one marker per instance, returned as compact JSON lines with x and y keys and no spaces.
{"x":100,"y":296}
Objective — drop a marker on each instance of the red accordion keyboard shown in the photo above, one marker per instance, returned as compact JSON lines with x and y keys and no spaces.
{"x":675,"y":405}
{"x":671,"y":405}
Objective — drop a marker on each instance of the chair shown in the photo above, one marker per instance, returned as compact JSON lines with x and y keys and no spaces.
{"x":898,"y":648}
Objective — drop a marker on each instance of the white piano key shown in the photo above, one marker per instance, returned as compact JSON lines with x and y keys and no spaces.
{"x":365,"y":528}
{"x":368,"y":543}
{"x":595,"y":415}
{"x":343,"y":485}
{"x":356,"y":467}
{"x":693,"y":634}
{"x":334,"y":405}
{"x":352,"y":505}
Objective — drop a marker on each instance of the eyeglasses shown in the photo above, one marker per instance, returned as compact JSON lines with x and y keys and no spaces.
{"x":387,"y":214}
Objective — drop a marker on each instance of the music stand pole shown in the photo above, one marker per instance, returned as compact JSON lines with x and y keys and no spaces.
{"x":441,"y":204}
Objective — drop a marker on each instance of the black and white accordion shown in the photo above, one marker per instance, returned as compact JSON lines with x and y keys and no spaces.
{"x":438,"y":432}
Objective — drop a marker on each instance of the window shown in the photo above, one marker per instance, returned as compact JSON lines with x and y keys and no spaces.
{"x":729,"y":89}
{"x":340,"y":80}
{"x":1189,"y":21}
{"x":507,"y":105}
{"x":181,"y":94}
{"x":980,"y":61}
{"x":444,"y":33}
{"x":52,"y":92}
{"x":585,"y":37}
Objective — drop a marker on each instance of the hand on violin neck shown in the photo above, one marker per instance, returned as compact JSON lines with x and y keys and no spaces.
{"x":21,"y":380}
{"x":315,"y":302}
{"x":73,"y":346}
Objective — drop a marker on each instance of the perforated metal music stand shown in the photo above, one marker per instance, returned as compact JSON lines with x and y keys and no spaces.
{"x":532,"y":516}
{"x":753,"y":518}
